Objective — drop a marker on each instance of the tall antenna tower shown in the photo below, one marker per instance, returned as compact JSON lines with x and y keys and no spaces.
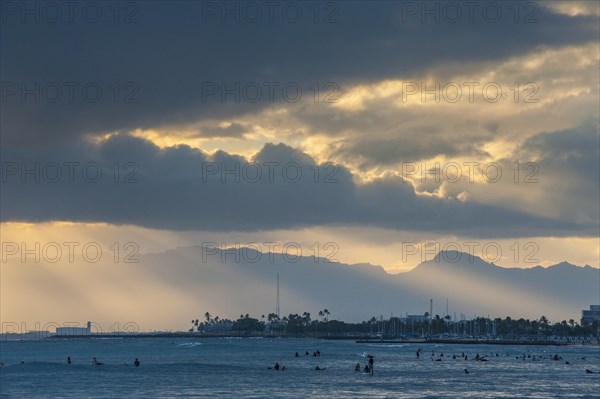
{"x":430,"y":309}
{"x":277,"y":302}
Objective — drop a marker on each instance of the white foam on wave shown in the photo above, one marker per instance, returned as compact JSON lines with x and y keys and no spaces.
{"x":190,"y":344}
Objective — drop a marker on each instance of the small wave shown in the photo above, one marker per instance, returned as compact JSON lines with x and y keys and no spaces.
{"x":190,"y":344}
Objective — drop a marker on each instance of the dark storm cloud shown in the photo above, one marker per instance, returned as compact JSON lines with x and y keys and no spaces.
{"x":573,"y":155}
{"x":571,"y":159}
{"x":181,"y":188}
{"x":408,"y":148}
{"x":160,"y":69}
{"x":559,"y":172}
{"x":567,"y":146}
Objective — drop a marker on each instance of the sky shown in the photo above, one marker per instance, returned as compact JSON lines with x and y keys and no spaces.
{"x":372,"y":132}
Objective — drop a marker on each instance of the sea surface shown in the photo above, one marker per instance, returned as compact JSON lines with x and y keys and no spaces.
{"x":237,"y":368}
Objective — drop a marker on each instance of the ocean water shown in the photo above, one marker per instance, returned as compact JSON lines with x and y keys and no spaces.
{"x":237,"y":368}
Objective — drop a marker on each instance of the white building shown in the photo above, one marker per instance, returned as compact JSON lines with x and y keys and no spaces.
{"x":74,"y":330}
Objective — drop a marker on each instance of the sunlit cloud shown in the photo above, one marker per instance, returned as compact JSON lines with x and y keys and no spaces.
{"x":573,"y":8}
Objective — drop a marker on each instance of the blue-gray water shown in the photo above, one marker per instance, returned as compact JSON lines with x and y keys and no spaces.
{"x":237,"y":368}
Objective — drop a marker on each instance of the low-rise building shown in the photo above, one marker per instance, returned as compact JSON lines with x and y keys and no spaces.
{"x":70,"y":330}
{"x":591,"y":315}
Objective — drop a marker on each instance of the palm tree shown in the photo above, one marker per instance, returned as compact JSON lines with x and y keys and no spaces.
{"x":306,"y":318}
{"x":207,"y":317}
{"x":544,"y":322}
{"x":372,"y":321}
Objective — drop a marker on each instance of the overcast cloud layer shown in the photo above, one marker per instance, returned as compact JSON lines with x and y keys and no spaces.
{"x":164,"y":126}
{"x":183,"y":188}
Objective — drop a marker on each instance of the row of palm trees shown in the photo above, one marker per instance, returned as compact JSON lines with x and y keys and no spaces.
{"x":304,"y":325}
{"x":294,"y":323}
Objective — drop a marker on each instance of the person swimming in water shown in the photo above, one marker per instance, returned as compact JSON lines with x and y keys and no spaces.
{"x":136,"y":362}
{"x":68,"y":359}
{"x":296,"y":355}
{"x":275,"y":368}
{"x":371,"y":364}
{"x":319,"y":368}
{"x":366,"y":370}
{"x":95,"y":362}
{"x":357,"y":367}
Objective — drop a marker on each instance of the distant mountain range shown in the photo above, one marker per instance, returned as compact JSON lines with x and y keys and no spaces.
{"x":178,"y":285}
{"x":360,"y":291}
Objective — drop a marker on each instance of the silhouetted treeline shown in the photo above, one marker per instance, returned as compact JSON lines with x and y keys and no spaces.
{"x":394,"y":327}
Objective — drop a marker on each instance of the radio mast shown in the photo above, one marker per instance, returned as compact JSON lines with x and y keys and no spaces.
{"x":277,"y":301}
{"x":430,"y":314}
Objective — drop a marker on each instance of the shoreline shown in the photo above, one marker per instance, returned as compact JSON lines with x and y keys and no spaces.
{"x":473,"y":342}
{"x":356,"y":339}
